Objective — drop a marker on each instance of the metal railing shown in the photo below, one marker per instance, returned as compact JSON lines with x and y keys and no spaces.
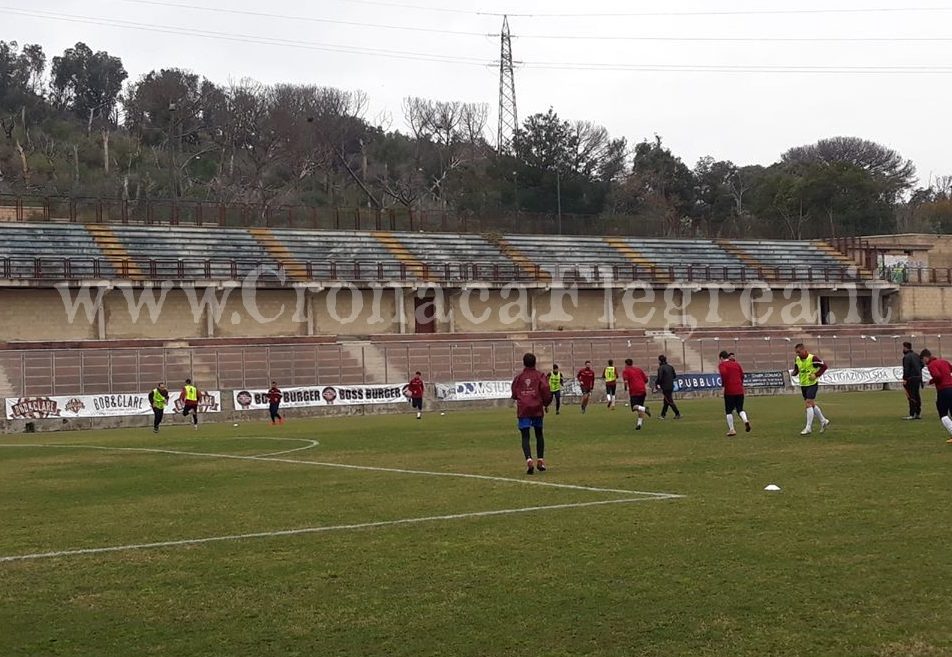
{"x":50,"y":268}
{"x":65,"y":371}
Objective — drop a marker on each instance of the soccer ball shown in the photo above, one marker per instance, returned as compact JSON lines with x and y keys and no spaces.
{"x":236,"y":424}
{"x":442,"y":412}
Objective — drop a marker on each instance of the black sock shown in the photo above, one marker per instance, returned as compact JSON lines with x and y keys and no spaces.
{"x":540,"y":443}
{"x":525,"y":443}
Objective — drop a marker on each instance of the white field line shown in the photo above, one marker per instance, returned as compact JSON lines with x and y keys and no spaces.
{"x":366,"y":468}
{"x":316,"y":530}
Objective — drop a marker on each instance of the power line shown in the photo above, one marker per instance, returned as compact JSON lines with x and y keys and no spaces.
{"x":556,"y":37}
{"x":248,"y":38}
{"x":573,"y":37}
{"x":725,"y":12}
{"x":309,"y":19}
{"x":467,"y":61}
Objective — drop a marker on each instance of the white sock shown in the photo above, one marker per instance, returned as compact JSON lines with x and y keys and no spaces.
{"x":819,"y":414}
{"x":743,"y":416}
{"x":947,"y":423}
{"x":730,"y":422}
{"x":640,"y":422}
{"x":810,"y":417}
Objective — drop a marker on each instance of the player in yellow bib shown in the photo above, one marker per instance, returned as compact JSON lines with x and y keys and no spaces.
{"x":158,"y":399}
{"x":807,"y":369}
{"x":555,"y":387}
{"x":189,"y":398}
{"x":611,"y":383}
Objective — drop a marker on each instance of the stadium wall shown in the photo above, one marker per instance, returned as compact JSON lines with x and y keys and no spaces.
{"x":127,"y":312}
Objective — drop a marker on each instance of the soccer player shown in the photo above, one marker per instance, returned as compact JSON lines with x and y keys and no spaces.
{"x":416,"y":389}
{"x":158,"y":398}
{"x":586,"y":380}
{"x":532,"y":395}
{"x":732,"y":379}
{"x":808,"y":368}
{"x":274,"y":403}
{"x":635,"y":383}
{"x":912,"y":380}
{"x":611,"y":383}
{"x":665,"y":383}
{"x":941,"y":371}
{"x":189,"y":399}
{"x":555,"y":386}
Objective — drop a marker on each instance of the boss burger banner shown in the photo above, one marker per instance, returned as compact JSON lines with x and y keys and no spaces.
{"x":309,"y":396}
{"x":114,"y":405}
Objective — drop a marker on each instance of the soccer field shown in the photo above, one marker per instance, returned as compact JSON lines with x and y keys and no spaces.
{"x":387,"y":536}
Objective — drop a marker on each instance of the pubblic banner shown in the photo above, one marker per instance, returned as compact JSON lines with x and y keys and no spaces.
{"x":703,"y":382}
{"x":303,"y":397}
{"x":489,"y":390}
{"x":115,"y":405}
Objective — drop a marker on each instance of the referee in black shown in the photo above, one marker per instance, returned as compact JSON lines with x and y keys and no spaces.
{"x":912,"y":381}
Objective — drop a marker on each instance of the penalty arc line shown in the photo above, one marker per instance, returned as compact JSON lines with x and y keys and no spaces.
{"x":366,"y":468}
{"x":315,"y":530}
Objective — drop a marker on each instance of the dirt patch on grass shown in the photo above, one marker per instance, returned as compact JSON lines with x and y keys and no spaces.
{"x":913,"y":648}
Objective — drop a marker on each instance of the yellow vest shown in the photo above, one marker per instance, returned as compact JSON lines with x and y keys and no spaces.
{"x":807,"y":371}
{"x":158,"y":399}
{"x":610,"y":374}
{"x":191,"y":393}
{"x":555,"y":382}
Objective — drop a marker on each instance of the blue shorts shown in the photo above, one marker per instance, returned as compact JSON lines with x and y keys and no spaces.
{"x":809,"y":392}
{"x":530,"y":423}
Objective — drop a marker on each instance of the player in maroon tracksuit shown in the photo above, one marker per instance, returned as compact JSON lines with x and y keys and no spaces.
{"x":586,"y":379}
{"x":274,"y":403}
{"x":732,"y":379}
{"x":416,"y":389}
{"x":531,"y":391}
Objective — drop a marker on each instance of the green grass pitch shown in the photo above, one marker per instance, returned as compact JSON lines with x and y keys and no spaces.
{"x":851,"y":558}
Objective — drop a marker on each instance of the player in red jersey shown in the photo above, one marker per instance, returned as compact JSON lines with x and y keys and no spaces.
{"x":941,"y":371}
{"x":732,"y":378}
{"x":635,"y":383}
{"x":274,"y":403}
{"x":416,"y":389}
{"x":586,"y":379}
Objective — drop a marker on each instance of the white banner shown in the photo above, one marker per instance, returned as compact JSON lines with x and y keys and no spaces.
{"x":309,"y":396}
{"x":861,"y":376}
{"x":483,"y":390}
{"x":116,"y":405}
{"x":474,"y":390}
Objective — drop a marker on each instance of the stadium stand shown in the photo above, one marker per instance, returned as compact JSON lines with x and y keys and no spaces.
{"x":216,"y":253}
{"x":51,"y":251}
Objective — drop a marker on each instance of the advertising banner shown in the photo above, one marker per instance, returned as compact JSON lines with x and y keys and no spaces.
{"x":115,"y":405}
{"x":860,"y":376}
{"x":706,"y":382}
{"x":474,"y":390}
{"x":310,"y":396}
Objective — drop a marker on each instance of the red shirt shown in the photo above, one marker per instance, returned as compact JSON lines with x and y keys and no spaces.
{"x":635,"y":380}
{"x":732,"y":377}
{"x":415,"y":388}
{"x":274,"y":396}
{"x":586,"y":378}
{"x":531,"y":391}
{"x":941,"y":372}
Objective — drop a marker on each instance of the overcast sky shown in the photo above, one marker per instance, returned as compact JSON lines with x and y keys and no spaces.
{"x":745,"y":117}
